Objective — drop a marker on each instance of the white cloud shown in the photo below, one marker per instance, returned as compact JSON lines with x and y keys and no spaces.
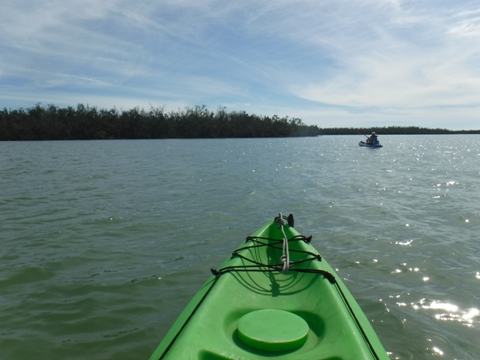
{"x":407,"y":81}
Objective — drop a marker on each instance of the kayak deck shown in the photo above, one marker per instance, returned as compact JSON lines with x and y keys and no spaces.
{"x":251,"y":309}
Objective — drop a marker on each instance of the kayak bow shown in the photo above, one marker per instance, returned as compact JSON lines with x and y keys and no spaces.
{"x":273,"y":298}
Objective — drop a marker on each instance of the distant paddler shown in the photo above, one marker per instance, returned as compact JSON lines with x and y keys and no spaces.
{"x":373,"y":139}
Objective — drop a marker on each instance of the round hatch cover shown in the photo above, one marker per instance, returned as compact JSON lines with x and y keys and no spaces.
{"x":273,"y":330}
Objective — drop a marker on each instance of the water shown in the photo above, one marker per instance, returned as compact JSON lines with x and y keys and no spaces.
{"x":104,"y":242}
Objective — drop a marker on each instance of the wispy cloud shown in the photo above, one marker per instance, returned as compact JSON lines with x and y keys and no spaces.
{"x":345,"y":62}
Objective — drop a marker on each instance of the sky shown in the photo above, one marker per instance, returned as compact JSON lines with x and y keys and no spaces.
{"x":331,"y":63}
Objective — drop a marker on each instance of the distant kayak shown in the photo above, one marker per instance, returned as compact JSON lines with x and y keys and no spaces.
{"x":275,"y":297}
{"x":373,"y":146}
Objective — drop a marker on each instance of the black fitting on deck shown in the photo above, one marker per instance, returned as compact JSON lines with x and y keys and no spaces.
{"x":215,"y":272}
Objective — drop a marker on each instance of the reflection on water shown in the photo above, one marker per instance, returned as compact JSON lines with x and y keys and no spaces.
{"x":449,"y":312}
{"x":437,"y":351}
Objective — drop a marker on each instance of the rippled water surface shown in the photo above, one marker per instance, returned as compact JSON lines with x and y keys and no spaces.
{"x":104,"y":242}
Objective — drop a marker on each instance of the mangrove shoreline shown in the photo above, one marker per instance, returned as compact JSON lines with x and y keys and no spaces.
{"x":90,"y":123}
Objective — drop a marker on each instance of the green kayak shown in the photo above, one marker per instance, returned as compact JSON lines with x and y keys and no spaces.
{"x":276,"y":297}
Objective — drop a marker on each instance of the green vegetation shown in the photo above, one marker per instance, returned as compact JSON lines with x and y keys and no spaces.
{"x":395,"y":130}
{"x":85,"y":123}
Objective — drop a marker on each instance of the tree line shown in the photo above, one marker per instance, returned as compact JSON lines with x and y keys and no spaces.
{"x":88,"y":123}
{"x":394,"y":130}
